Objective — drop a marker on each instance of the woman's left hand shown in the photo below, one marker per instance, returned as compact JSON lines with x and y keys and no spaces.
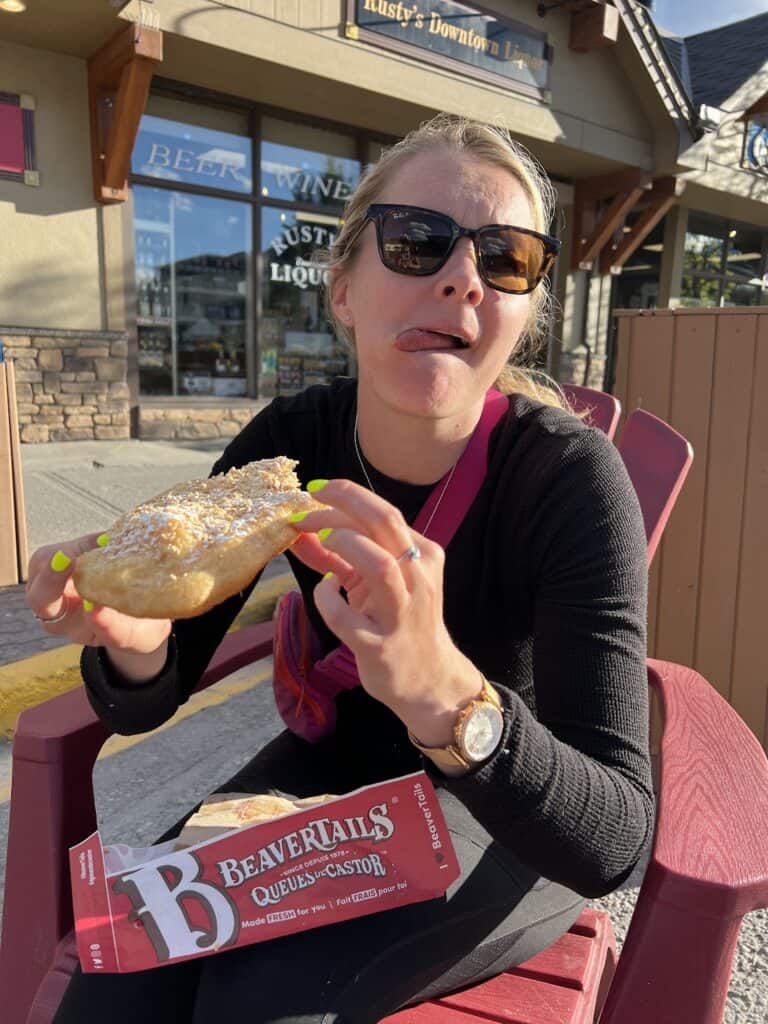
{"x":392,"y":619}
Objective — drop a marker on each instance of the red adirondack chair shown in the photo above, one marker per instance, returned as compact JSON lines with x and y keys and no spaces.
{"x":603,"y":410}
{"x":708,"y":868}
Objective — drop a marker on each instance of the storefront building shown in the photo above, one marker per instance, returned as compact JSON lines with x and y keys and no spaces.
{"x":171,"y":173}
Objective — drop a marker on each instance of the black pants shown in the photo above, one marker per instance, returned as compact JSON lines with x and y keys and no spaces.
{"x":497,"y":914}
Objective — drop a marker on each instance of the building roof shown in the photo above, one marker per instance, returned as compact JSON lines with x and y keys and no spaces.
{"x":678,"y":54}
{"x":713,"y":65}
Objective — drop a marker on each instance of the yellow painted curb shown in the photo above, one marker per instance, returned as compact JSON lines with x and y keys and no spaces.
{"x":220,"y":692}
{"x":26,"y":683}
{"x":23,"y":684}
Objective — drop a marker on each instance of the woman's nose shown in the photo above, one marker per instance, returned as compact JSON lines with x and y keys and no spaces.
{"x":460,"y":277}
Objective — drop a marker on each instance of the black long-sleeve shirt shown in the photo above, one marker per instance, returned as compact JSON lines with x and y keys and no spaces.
{"x":545,"y":592}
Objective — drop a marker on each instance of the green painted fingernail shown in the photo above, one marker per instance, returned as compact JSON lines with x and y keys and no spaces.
{"x":60,"y":562}
{"x":328,"y":576}
{"x":102,"y":540}
{"x":296,"y":517}
{"x":325,"y":534}
{"x":88,"y":606}
{"x":316,"y":485}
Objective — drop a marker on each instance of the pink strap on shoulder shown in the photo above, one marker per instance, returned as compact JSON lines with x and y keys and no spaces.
{"x":467,"y":478}
{"x":337,"y":671}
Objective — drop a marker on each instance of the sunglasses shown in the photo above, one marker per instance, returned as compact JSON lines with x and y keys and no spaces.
{"x":418,"y":242}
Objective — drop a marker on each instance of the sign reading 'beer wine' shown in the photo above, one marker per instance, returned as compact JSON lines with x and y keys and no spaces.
{"x":458,"y":36}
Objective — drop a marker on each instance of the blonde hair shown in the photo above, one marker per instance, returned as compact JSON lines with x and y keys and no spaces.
{"x":493,"y":145}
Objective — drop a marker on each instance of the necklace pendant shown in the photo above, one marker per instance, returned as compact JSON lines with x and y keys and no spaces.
{"x":446,"y":485}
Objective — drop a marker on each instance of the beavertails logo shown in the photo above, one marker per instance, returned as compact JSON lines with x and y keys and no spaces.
{"x":167,"y":898}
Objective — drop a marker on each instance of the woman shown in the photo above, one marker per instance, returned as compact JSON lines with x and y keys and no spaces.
{"x":542,"y":592}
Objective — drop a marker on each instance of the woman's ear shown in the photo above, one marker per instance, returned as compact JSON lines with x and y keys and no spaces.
{"x":340,"y":299}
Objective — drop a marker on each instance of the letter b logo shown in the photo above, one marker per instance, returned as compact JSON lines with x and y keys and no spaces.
{"x":169,"y":897}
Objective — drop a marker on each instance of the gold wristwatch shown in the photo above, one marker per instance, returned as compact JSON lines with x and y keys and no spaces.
{"x":476,"y":734}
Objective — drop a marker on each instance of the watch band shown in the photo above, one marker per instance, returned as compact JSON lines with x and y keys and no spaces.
{"x":455,"y":755}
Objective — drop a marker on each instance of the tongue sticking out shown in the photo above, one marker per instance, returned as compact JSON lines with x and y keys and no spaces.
{"x":418,"y":340}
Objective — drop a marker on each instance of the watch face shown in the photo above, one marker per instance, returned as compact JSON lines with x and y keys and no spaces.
{"x":480,"y":732}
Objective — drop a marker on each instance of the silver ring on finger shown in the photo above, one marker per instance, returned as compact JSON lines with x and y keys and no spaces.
{"x":411,"y":554}
{"x":56,"y":618}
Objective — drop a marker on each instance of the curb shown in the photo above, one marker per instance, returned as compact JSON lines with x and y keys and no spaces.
{"x":26,"y":683}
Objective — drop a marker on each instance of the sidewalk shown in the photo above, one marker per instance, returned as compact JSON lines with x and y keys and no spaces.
{"x":72,"y":488}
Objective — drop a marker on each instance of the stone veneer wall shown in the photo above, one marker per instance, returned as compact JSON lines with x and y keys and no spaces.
{"x":70,"y":385}
{"x":192,"y":422}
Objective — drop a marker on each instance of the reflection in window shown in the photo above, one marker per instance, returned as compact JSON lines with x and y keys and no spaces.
{"x":701,"y":291}
{"x":737,"y":294}
{"x":192,"y":155}
{"x":193,"y":273}
{"x":724,"y":264}
{"x":704,"y":252}
{"x":744,"y":259}
{"x":297,"y":344}
{"x":307,"y":165}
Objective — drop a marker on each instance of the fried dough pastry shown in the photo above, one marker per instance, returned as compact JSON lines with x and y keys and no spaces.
{"x":222,"y":812}
{"x":190,"y":548}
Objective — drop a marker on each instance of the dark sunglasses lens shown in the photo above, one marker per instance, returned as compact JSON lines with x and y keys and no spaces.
{"x":512,"y":260}
{"x":414,"y":242}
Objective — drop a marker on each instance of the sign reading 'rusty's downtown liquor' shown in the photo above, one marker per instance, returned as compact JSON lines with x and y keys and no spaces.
{"x":445,"y":32}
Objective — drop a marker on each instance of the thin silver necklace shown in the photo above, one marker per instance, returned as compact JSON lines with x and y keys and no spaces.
{"x":446,"y":485}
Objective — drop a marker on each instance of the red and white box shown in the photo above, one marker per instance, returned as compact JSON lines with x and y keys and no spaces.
{"x":380,"y":847}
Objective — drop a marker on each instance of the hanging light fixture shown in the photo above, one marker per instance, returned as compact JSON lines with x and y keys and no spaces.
{"x":13,"y":6}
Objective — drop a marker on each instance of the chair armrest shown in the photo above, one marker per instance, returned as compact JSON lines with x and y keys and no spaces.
{"x":711,"y":844}
{"x":55,"y":747}
{"x":709,"y":864}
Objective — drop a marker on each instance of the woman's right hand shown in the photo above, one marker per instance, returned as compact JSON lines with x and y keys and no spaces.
{"x":137,"y":647}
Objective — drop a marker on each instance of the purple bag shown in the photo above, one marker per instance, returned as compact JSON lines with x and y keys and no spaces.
{"x":306,"y":685}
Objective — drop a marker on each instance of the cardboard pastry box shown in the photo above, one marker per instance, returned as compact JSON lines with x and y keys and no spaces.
{"x":380,"y":847}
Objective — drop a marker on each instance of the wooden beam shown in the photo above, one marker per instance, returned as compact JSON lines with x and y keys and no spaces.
{"x":604,"y":186}
{"x":133,"y":40}
{"x":594,"y":28}
{"x":594,"y":224}
{"x":119,"y":78}
{"x":130,"y":104}
{"x":663,"y":197}
{"x":587,"y":249}
{"x":758,"y":107}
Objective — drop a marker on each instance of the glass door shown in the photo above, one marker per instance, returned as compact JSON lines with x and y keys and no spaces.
{"x":297,"y":343}
{"x":193,"y":268}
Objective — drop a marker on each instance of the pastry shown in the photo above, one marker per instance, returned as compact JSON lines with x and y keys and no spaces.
{"x":190,"y":548}
{"x":223,"y":812}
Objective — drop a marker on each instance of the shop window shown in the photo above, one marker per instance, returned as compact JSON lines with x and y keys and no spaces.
{"x":195,"y":271}
{"x":704,"y":245}
{"x":191,"y":154}
{"x":17,"y":146}
{"x":637,"y":287}
{"x":297,"y":343}
{"x":724,"y":264}
{"x":304,"y":164}
{"x":738,"y":294}
{"x":193,"y":283}
{"x":700,"y":291}
{"x":198,"y":115}
{"x":744,"y":259}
